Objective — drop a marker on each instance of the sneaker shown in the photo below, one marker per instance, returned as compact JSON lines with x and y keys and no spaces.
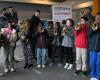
{"x":30,"y":66}
{"x":60,"y":65}
{"x":43,"y":66}
{"x":38,"y":66}
{"x":1,"y":74}
{"x":12,"y":69}
{"x":51,"y":64}
{"x":84,"y":73}
{"x":93,"y":79}
{"x":25,"y":66}
{"x":70,"y":66}
{"x":6,"y":70}
{"x":77,"y":72}
{"x":66,"y":65}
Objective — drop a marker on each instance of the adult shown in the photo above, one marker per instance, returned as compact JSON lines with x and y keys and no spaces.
{"x":50,"y":38}
{"x":3,"y":19}
{"x":35,"y":20}
{"x":88,"y":15}
{"x":94,"y":49}
{"x":5,"y":13}
{"x":3,"y":22}
{"x":13,"y":18}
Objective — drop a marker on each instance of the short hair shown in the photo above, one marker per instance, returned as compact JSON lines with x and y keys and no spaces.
{"x":58,"y":24}
{"x":3,"y":9}
{"x":50,"y":22}
{"x":98,"y":13}
{"x":89,"y":8}
{"x":10,"y":7}
{"x":72,"y":22}
{"x":85,"y":18}
{"x":37,"y":11}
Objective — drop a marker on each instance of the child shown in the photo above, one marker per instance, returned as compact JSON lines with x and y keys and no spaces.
{"x":27,"y":53}
{"x":68,"y":43}
{"x":9,"y":46}
{"x":94,"y":49}
{"x":41,"y":46}
{"x":25,"y":38}
{"x":81,"y":33}
{"x":50,"y":38}
{"x":56,"y":44}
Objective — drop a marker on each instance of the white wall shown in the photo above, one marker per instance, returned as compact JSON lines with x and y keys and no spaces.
{"x":26,"y":10}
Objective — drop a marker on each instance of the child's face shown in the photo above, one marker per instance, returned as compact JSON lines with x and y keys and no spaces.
{"x":83,"y":21}
{"x":97,"y":18}
{"x":9,"y":25}
{"x":68,"y":23}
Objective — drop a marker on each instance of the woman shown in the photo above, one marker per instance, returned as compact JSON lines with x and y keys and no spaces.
{"x":94,"y":49}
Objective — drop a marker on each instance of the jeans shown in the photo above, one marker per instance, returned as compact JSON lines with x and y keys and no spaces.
{"x":9,"y":56}
{"x":68,"y":52}
{"x":81,"y":59}
{"x":94,"y":64}
{"x":41,"y":53}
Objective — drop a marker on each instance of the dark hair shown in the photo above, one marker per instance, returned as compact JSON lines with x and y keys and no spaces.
{"x":85,"y":18}
{"x":63,"y":22}
{"x":72,"y":22}
{"x":42,"y":24}
{"x":3,"y":9}
{"x":89,"y":8}
{"x":50,"y":22}
{"x":10,"y":7}
{"x":37,"y":11}
{"x":58,"y":24}
{"x":98,"y":13}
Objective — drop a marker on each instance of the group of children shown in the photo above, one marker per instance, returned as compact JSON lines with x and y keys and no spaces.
{"x":61,"y":41}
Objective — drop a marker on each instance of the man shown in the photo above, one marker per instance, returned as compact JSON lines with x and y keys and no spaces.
{"x":13,"y":18}
{"x":5,"y":13}
{"x":35,"y":20}
{"x":94,"y":49}
{"x":3,"y":19}
{"x":88,"y":15}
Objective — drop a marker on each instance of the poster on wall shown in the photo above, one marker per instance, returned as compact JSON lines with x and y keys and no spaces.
{"x":60,"y":13}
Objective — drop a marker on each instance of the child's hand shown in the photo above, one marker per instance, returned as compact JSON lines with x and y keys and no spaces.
{"x":94,"y":28}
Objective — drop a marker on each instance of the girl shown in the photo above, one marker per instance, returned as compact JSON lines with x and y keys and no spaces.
{"x":94,"y":49}
{"x":68,"y":43}
{"x":25,"y":38}
{"x":41,"y":46}
{"x":27,"y":51}
{"x":56,"y":44}
{"x":81,"y":33}
{"x":9,"y":46}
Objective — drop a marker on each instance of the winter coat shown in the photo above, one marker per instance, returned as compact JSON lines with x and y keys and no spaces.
{"x":82,"y":37}
{"x":68,"y":39}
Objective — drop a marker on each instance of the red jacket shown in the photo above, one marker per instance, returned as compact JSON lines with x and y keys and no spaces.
{"x":82,"y":37}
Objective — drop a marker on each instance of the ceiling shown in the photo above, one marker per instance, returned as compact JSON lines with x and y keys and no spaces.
{"x":48,"y":2}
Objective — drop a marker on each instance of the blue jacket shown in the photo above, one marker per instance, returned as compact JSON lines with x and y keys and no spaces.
{"x":94,"y":39}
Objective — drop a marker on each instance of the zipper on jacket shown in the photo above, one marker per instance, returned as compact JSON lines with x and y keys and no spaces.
{"x":96,"y":42}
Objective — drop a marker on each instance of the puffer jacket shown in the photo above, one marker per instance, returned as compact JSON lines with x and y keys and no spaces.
{"x":82,"y":37}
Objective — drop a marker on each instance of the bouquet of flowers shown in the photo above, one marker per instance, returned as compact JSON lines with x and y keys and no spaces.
{"x":9,"y":34}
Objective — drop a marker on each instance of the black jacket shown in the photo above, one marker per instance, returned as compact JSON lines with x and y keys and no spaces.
{"x":94,"y":39}
{"x":13,"y":17}
{"x":34,"y":22}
